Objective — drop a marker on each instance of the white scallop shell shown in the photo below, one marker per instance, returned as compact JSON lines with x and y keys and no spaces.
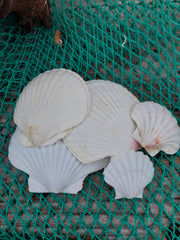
{"x":108,"y":127}
{"x":52,"y":168}
{"x":129,"y":173}
{"x":156,"y":128}
{"x":50,"y":105}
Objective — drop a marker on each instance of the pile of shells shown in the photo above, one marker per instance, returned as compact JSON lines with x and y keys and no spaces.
{"x":68,"y":128}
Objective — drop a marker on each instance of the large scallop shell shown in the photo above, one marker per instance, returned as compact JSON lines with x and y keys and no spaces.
{"x":50,"y":105}
{"x":129,"y":173}
{"x":52,"y":168}
{"x":108,"y":127}
{"x":156,"y":128}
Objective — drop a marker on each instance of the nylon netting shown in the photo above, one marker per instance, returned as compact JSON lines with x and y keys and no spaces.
{"x":148,"y":64}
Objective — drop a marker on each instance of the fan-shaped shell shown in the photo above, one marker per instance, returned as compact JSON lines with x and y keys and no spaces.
{"x":156,"y":128}
{"x":52,"y":168}
{"x":50,"y":105}
{"x":108,"y":127}
{"x":129,"y":173}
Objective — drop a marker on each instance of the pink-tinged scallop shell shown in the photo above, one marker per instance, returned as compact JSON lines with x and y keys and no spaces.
{"x":157,"y":130}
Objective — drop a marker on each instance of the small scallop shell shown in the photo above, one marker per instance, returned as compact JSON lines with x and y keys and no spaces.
{"x":52,"y":168}
{"x":156,"y":128}
{"x":50,"y":105}
{"x":108,"y":127}
{"x":129,"y":173}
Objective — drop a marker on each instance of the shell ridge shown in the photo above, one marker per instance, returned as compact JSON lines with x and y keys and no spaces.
{"x":118,"y":116}
{"x":64,"y":163}
{"x":34,"y":166}
{"x":57,"y":162}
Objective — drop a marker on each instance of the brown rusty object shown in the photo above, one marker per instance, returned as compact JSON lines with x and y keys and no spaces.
{"x":57,"y":38}
{"x":28,"y":11}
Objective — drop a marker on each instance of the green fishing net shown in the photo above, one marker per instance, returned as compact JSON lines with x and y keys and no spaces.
{"x":134,"y":43}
